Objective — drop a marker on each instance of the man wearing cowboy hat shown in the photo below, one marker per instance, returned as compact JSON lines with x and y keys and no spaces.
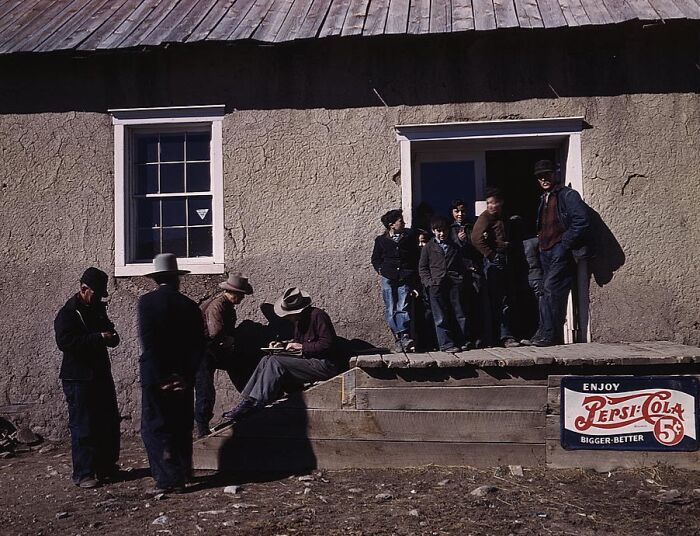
{"x":172,"y":341}
{"x":219,"y":314}
{"x":83,"y":334}
{"x":314,"y":343}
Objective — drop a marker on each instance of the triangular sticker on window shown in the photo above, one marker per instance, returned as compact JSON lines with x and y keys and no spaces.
{"x":202,"y":212}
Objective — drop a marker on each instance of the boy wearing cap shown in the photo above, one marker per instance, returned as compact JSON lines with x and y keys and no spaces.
{"x":318,"y":356}
{"x":83,"y":333}
{"x":219,"y":314}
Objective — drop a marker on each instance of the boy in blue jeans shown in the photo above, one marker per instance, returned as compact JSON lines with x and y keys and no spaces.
{"x":394,"y":257}
{"x":443,"y":274}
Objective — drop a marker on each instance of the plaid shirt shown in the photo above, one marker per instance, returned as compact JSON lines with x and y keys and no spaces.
{"x":551,"y":229}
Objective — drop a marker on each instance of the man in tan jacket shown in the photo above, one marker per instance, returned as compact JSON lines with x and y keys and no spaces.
{"x":219,"y":314}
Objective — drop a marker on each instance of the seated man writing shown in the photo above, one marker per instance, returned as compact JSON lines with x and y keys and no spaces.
{"x":314,"y":341}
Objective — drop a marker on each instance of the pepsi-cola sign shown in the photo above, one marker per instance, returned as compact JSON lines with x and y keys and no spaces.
{"x":656,"y":413}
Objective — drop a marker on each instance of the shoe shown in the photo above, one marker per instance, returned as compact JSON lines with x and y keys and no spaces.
{"x":244,"y":408}
{"x":526,"y":342}
{"x":466,"y":347}
{"x":408,"y":344}
{"x":88,"y":483}
{"x":510,"y":342}
{"x":542,"y":343}
{"x":452,"y":350}
{"x":173,"y":490}
{"x":201,"y":430}
{"x":398,"y":347}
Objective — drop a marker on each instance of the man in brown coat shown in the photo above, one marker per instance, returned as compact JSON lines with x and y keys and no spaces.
{"x":219,"y":314}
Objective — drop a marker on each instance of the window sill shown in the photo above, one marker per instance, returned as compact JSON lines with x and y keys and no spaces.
{"x":131,"y":270}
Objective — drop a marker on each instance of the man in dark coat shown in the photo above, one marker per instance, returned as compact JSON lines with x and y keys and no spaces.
{"x":172,"y":340}
{"x":312,"y":355}
{"x":562,"y":226}
{"x":83,"y":334}
{"x":222,"y":353}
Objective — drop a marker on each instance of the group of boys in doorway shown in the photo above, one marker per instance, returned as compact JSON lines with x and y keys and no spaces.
{"x":459,"y":285}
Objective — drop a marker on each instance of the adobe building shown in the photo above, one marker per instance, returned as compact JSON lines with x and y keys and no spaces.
{"x":269,"y":137}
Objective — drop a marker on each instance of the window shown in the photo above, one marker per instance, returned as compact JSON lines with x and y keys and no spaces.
{"x":168,"y":188}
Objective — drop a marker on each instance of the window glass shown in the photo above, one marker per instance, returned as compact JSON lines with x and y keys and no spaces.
{"x":198,"y":177}
{"x":200,"y":242}
{"x":198,"y":146}
{"x":172,"y":178}
{"x":174,"y":212}
{"x":147,"y":213}
{"x":146,"y":148}
{"x":172,"y":147}
{"x":148,"y":244}
{"x":199,"y":212}
{"x":147,"y":179}
{"x":175,"y":241}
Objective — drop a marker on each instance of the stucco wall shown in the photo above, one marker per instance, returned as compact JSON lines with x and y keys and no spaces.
{"x":311,"y":161}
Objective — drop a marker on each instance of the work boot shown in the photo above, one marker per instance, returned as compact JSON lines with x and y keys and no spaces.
{"x":510,"y":342}
{"x":244,"y":408}
{"x":88,"y":482}
{"x":407,"y":342}
{"x":201,"y":430}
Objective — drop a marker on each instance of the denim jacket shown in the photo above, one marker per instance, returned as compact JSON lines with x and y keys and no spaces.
{"x":572,"y":212}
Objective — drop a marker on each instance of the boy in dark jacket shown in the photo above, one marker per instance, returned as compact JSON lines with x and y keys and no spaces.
{"x":395,"y":257}
{"x":83,"y":334}
{"x":491,"y":237}
{"x":443,"y":274}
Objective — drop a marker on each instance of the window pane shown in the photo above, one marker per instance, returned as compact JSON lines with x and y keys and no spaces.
{"x":148,"y":244}
{"x":172,"y":178}
{"x":198,"y":177}
{"x":198,"y":146}
{"x":147,"y":148}
{"x":147,"y":213}
{"x":147,"y":179}
{"x":175,"y":241}
{"x":172,"y":147}
{"x":174,"y":212}
{"x":200,"y":242}
{"x":199,"y":211}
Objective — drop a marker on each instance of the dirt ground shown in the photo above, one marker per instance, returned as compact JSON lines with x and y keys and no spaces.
{"x":38,"y":498}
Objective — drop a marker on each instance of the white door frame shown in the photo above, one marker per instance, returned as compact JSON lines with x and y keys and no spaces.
{"x":562,"y":132}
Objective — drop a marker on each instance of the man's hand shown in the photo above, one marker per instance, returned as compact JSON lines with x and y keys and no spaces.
{"x":462,"y":234}
{"x":295,"y":346}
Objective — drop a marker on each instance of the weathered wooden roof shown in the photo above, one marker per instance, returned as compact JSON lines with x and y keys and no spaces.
{"x":47,"y":25}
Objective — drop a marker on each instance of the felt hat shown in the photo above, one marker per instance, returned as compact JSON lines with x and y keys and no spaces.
{"x":166,"y":263}
{"x":544,"y":166}
{"x":293,"y":301}
{"x":237,"y":283}
{"x":96,"y":279}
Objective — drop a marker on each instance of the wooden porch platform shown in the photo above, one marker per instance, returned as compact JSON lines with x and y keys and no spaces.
{"x":481,"y":408}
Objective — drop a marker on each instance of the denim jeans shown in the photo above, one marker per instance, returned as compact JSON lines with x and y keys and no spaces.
{"x":166,"y":430}
{"x":498,"y":283}
{"x":395,"y":295}
{"x":93,"y":420}
{"x":449,"y":313}
{"x":559,"y":267}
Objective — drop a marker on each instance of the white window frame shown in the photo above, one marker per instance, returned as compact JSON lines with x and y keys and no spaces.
{"x":565,"y":132}
{"x":126,"y":121}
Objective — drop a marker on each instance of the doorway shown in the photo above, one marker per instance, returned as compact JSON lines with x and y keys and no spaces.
{"x":441,"y":162}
